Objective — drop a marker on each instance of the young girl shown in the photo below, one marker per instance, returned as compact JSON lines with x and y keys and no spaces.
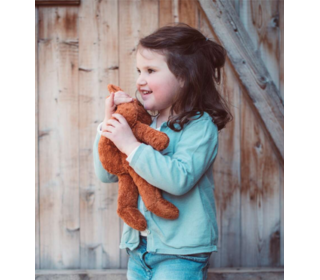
{"x":178,"y":68}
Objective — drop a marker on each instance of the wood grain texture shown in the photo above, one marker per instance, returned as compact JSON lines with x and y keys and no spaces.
{"x":248,"y":65}
{"x":57,"y":2}
{"x":36,"y":200}
{"x":99,"y":66}
{"x":165,"y":12}
{"x":227,"y":169}
{"x":79,"y":228}
{"x":260,"y":195}
{"x":261,"y":20}
{"x":281,"y":215}
{"x":58,"y":138}
{"x":281,"y":25}
{"x":188,"y":12}
{"x":227,"y":174}
{"x":120,"y":274}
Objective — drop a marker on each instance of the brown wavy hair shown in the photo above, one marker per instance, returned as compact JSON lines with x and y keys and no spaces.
{"x":197,"y":62}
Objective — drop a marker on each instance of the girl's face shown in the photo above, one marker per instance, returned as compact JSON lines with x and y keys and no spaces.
{"x":155,"y":76}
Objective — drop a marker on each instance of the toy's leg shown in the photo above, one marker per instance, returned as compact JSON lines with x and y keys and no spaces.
{"x":153,"y":199}
{"x":105,"y":149}
{"x":127,"y":203}
{"x":161,"y":207}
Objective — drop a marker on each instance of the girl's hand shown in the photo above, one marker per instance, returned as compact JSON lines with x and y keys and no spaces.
{"x":120,"y":133}
{"x":111,"y":102}
{"x":121,"y":97}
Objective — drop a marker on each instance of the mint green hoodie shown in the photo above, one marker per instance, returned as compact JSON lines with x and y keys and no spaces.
{"x":183,"y":171}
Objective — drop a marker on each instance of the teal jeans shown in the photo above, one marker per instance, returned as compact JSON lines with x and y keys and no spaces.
{"x":144,"y":265}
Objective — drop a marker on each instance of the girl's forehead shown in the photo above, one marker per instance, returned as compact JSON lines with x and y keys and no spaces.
{"x":150,"y":59}
{"x":147,"y":54}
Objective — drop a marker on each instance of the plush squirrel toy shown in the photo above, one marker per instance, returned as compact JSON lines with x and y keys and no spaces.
{"x":130,"y":183}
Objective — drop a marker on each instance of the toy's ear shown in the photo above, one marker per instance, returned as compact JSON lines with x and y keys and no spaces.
{"x":113,"y":88}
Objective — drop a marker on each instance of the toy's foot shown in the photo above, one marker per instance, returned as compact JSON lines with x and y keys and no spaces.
{"x":133,"y":218}
{"x":164,"y":209}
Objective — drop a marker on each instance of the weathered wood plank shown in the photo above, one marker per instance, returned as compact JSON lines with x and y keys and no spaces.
{"x":227,"y":169}
{"x":37,"y":223}
{"x":261,"y":20}
{"x":100,"y":226}
{"x":98,"y":57}
{"x":281,"y":24}
{"x":57,"y":2}
{"x":248,"y":65}
{"x":236,"y":5}
{"x":58,"y":138}
{"x":281,"y":215}
{"x":227,"y":175}
{"x":188,"y":12}
{"x":165,"y":12}
{"x":120,"y":274}
{"x":260,"y":194}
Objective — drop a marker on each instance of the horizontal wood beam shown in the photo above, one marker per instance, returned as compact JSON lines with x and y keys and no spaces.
{"x":57,"y":2}
{"x":120,"y":274}
{"x":248,"y":65}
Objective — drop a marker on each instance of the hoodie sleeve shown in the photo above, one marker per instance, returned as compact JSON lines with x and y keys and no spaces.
{"x":102,"y":174}
{"x":178,"y":173}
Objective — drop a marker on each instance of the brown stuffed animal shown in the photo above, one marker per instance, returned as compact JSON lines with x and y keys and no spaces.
{"x":115,"y":163}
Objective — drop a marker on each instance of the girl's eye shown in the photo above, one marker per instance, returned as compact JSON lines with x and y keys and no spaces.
{"x":149,"y":71}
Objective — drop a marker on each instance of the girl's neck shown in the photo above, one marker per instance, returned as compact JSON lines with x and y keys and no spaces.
{"x":164,"y":115}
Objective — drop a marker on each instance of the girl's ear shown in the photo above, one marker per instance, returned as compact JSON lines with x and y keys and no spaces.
{"x":181,"y":83}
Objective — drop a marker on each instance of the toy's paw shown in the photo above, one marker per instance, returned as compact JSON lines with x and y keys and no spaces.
{"x":133,"y":218}
{"x":164,"y":209}
{"x":160,"y":142}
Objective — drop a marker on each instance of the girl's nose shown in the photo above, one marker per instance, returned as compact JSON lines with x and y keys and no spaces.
{"x":141,"y":81}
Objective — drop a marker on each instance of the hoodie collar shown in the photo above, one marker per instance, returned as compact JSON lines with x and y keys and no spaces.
{"x":164,"y":124}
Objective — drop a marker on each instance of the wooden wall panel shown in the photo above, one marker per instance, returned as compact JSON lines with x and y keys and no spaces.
{"x":227,"y":178}
{"x":261,"y":20}
{"x":281,"y":24}
{"x":58,"y":138}
{"x":165,"y":12}
{"x":57,"y":2}
{"x":282,"y":216}
{"x":36,"y":200}
{"x":227,"y":168}
{"x":260,"y":194}
{"x":188,"y":12}
{"x":79,"y":228}
{"x":97,"y":61}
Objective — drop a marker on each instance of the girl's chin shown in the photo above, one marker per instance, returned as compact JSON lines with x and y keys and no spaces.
{"x":147,"y":106}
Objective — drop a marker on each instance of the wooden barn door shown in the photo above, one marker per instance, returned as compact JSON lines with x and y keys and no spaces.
{"x":82,"y":48}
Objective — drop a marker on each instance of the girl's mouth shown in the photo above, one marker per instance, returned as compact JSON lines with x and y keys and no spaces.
{"x":146,"y":92}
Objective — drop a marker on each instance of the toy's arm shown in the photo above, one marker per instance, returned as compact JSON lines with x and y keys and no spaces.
{"x":100,"y":172}
{"x":178,"y":173}
{"x":156,"y":139}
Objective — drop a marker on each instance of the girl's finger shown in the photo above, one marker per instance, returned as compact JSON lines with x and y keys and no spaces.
{"x":109,"y":129}
{"x":112,"y":99}
{"x":120,"y":118}
{"x":112,"y":122}
{"x":106,"y":134}
{"x":123,"y":100}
